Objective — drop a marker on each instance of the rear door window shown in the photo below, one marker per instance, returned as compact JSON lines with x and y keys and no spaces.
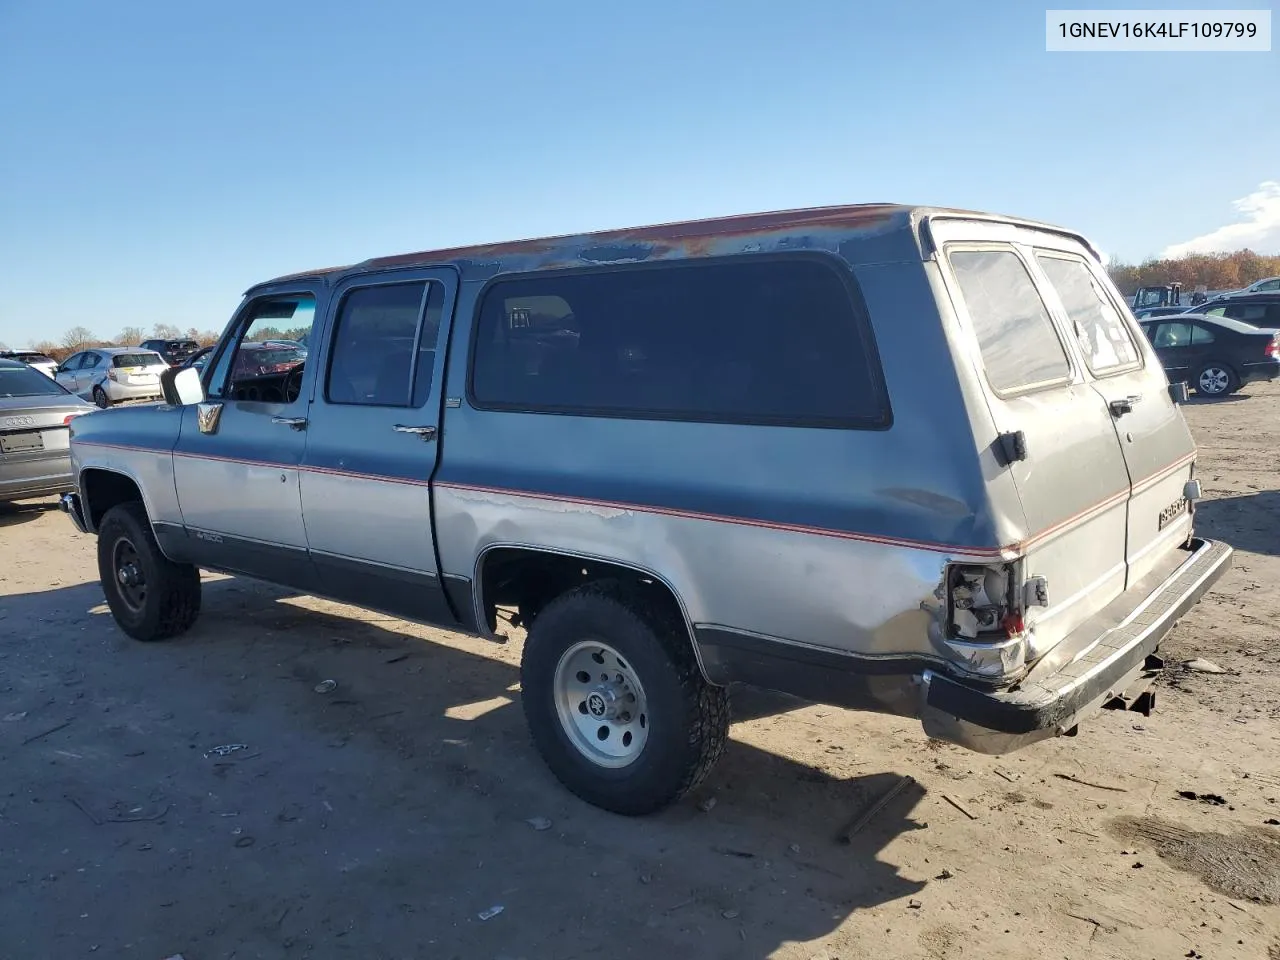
{"x":1104,"y":337}
{"x":1201,"y":335}
{"x":384,"y":342}
{"x":1019,"y":344}
{"x":1173,"y":335}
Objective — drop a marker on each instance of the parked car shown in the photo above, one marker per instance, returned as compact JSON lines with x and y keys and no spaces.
{"x":1214,"y":354}
{"x":199,"y":358}
{"x":33,"y":359}
{"x":1258,"y":310}
{"x":109,"y":375}
{"x":1266,"y":285}
{"x":1146,"y":312}
{"x":175,"y":352}
{"x":35,"y":452}
{"x":900,"y":459}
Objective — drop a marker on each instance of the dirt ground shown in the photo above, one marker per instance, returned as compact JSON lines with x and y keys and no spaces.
{"x":383,"y":819}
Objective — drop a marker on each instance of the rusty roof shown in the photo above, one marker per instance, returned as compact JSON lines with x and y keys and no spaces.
{"x":689,"y":238}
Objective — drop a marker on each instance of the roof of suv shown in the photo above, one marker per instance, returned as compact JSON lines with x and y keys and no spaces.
{"x":690,"y":238}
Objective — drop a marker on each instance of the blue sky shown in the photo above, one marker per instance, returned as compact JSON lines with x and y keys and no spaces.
{"x":158,"y":158}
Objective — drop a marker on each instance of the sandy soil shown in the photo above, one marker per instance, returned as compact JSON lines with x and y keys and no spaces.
{"x":382,"y":818}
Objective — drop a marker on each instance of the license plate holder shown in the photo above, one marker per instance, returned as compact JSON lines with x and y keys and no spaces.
{"x":21,"y":443}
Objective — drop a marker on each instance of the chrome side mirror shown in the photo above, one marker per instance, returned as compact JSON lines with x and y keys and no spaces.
{"x":181,"y":386}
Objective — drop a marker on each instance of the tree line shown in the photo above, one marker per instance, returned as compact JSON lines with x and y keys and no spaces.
{"x":1213,"y":271}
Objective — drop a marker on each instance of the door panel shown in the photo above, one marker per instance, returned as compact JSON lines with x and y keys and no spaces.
{"x":1072,"y":483}
{"x":372,"y":444}
{"x":1153,"y":437}
{"x":237,"y":480}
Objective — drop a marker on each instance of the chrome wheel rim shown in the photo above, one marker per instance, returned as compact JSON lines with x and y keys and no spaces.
{"x":130,"y":580}
{"x":1214,"y":380}
{"x":601,"y":704}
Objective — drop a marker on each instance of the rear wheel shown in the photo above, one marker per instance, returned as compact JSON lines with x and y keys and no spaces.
{"x":100,"y":398}
{"x":1216,"y":380}
{"x":150,"y":596}
{"x":615,"y":701}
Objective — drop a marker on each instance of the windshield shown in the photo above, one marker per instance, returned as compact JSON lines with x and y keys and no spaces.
{"x":25,"y":382}
{"x":137,"y":360}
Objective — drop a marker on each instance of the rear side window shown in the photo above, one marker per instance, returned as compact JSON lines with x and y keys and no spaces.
{"x":1104,"y":337}
{"x":1019,"y":345}
{"x":1201,"y":335}
{"x":384,"y":345}
{"x":773,"y":341}
{"x":1173,"y":335}
{"x":1254,"y":313}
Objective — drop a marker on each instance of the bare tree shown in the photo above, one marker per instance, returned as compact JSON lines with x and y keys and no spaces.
{"x":166,"y":331}
{"x":130,"y":337}
{"x":77,"y":338}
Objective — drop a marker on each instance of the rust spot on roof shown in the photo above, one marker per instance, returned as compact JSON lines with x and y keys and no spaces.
{"x":691,"y":238}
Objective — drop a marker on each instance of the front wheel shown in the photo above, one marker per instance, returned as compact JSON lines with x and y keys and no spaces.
{"x":150,"y":596}
{"x":615,"y":701}
{"x":100,"y":398}
{"x":1216,"y":380}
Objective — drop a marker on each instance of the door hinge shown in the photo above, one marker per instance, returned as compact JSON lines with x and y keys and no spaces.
{"x":1010,"y":447}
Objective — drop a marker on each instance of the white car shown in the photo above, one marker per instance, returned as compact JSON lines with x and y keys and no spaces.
{"x":33,"y":359}
{"x":107,"y":375}
{"x":1265,"y":285}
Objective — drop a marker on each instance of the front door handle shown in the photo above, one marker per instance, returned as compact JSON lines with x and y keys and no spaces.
{"x":426,"y":433}
{"x":1124,"y":405}
{"x":295,"y":423}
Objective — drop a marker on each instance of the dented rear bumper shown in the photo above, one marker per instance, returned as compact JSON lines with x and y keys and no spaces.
{"x":1108,"y":651}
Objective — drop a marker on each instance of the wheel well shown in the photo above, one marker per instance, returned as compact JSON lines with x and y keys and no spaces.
{"x":103,"y":489}
{"x":528,"y":580}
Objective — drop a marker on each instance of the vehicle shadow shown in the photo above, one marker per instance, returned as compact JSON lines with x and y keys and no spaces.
{"x":391,"y":807}
{"x":1248,"y":522}
{"x":1198,"y":399}
{"x":13,"y":513}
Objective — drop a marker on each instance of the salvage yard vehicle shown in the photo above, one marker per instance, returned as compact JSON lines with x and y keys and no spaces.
{"x":35,"y":446}
{"x":175,"y":352}
{"x":900,"y":459}
{"x":33,"y":359}
{"x":1215,"y":354}
{"x":110,"y":375}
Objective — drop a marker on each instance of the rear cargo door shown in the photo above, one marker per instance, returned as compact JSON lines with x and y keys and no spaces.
{"x":1157,"y":446}
{"x":1066,"y":462}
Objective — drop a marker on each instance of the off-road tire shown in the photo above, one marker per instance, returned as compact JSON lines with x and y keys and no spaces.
{"x":173,"y":589}
{"x":689,"y":718}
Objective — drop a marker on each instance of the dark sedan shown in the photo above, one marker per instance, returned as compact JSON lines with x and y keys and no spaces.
{"x":1215,"y":355}
{"x":35,"y":457}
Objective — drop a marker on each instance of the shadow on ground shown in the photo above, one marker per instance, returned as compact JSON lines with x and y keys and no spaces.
{"x":380,"y":818}
{"x":12,"y":514}
{"x":1248,"y":522}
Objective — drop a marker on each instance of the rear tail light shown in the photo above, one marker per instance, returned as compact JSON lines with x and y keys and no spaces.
{"x":983,"y":604}
{"x":111,"y":374}
{"x":68,"y":418}
{"x":1273,"y":348}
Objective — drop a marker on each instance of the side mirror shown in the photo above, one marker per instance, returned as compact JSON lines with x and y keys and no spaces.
{"x":181,"y":386}
{"x":1178,"y":392}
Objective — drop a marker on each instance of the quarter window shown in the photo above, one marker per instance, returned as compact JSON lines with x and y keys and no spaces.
{"x":1020,"y":347}
{"x":1104,"y":338}
{"x":384,"y":345}
{"x":753,"y":340}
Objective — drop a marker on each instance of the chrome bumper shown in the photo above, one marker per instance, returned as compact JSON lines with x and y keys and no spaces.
{"x":70,"y":504}
{"x":998,"y":721}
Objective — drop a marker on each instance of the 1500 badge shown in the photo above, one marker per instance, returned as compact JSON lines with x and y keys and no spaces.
{"x":1172,"y":512}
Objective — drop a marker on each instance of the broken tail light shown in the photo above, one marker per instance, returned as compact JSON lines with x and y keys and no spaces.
{"x":983,"y":603}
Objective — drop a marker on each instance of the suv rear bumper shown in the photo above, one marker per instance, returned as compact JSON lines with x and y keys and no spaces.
{"x":1116,"y":645}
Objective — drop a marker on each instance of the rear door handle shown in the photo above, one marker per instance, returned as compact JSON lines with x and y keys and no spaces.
{"x":1124,"y":405}
{"x":426,"y":433}
{"x":296,"y":423}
